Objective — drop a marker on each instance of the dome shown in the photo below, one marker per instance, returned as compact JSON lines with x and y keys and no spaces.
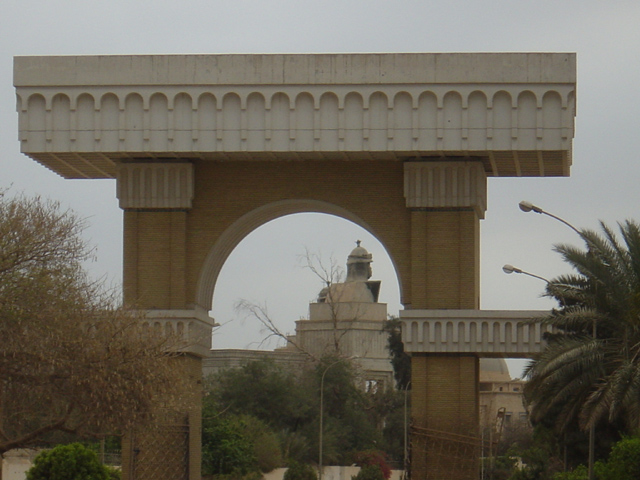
{"x":359,"y":255}
{"x":494,"y":370}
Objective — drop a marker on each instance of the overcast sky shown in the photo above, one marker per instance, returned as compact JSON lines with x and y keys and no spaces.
{"x":265,"y":267}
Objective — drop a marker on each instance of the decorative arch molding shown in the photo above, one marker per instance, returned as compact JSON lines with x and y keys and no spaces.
{"x":233,"y":115}
{"x":249,"y":222}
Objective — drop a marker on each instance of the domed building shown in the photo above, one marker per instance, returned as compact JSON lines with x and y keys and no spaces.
{"x":501,"y":401}
{"x":347,"y":319}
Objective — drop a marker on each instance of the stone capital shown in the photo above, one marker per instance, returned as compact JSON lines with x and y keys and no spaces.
{"x":166,"y":185}
{"x":446,"y":185}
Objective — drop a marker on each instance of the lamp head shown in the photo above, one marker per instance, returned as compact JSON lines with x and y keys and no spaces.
{"x":529,"y":207}
{"x":510,"y":269}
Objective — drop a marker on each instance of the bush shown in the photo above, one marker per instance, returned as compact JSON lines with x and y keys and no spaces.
{"x":266,"y":445}
{"x":579,"y":473}
{"x":300,"y":471}
{"x":623,"y":464}
{"x":369,"y":472}
{"x":226,"y":450}
{"x":375,"y":458}
{"x":624,"y":460}
{"x":238,"y":445}
{"x":68,"y":462}
{"x":114,"y":473}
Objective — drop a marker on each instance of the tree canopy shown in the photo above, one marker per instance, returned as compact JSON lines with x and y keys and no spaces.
{"x":400,"y":360}
{"x":354,"y":420}
{"x":71,"y":360}
{"x":590,"y":369}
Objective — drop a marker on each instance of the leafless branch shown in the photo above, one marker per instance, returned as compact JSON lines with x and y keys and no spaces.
{"x":261,"y":314}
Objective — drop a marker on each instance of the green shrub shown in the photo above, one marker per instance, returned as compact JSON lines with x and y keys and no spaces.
{"x":68,"y":462}
{"x":624,"y":460}
{"x":623,"y":464}
{"x":226,"y":450}
{"x":266,"y":445}
{"x":300,"y":471}
{"x":114,"y":473}
{"x":369,"y":472}
{"x":579,"y":473}
{"x":238,"y":445}
{"x":376,"y":458}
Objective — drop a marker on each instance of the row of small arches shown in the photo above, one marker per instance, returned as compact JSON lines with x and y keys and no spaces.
{"x":426,"y":122}
{"x":485,"y":331}
{"x":277,"y":99}
{"x":167,"y":328}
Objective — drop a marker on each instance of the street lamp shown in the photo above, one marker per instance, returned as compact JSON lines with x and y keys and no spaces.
{"x":509,"y":269}
{"x":529,"y":207}
{"x":406,"y":431}
{"x":322,"y":410}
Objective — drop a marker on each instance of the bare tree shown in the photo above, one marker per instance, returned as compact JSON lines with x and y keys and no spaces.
{"x":260,"y":313}
{"x":71,"y":360}
{"x":331,"y":274}
{"x":328,"y":273}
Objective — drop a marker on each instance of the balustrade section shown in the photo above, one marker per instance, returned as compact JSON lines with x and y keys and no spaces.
{"x":189,"y":331}
{"x":489,"y":333}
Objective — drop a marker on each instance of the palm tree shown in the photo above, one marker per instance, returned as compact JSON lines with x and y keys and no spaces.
{"x":590,"y":369}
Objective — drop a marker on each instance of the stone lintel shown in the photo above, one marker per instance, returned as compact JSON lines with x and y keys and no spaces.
{"x":446,"y":184}
{"x":193,"y":327}
{"x":81,"y":115}
{"x":487,"y":333}
{"x":166,"y":185}
{"x":278,"y":69}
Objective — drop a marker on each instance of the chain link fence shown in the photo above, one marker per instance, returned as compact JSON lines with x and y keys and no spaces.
{"x":162,"y":452}
{"x":445,"y":454}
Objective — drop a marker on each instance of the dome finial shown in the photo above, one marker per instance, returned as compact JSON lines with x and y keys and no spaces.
{"x":359,"y":264}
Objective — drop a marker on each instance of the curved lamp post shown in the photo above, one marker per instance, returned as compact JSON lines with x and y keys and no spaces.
{"x":406,"y":431}
{"x":529,"y":207}
{"x":509,"y":269}
{"x":322,"y":410}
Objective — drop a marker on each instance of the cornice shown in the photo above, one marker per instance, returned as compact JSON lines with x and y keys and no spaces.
{"x":80,"y":116}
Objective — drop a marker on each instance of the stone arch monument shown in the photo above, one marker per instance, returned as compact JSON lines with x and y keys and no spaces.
{"x":205,"y":148}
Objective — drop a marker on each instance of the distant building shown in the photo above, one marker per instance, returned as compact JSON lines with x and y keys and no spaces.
{"x":501,"y":400}
{"x":346,"y":319}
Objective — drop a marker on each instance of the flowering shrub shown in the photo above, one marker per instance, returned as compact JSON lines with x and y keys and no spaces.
{"x":374,"y":458}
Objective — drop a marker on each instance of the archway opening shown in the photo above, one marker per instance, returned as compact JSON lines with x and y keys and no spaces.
{"x":269,"y":268}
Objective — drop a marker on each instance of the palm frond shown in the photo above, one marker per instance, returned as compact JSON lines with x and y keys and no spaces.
{"x":590,"y":368}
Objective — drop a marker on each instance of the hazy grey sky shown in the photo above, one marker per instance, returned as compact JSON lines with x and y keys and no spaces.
{"x":264,"y":268}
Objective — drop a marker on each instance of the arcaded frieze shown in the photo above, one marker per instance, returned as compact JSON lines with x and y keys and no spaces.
{"x":190,"y":328}
{"x":491,"y":332}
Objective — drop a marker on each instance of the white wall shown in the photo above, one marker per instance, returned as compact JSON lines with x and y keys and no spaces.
{"x":15,"y":464}
{"x":331,"y":473}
